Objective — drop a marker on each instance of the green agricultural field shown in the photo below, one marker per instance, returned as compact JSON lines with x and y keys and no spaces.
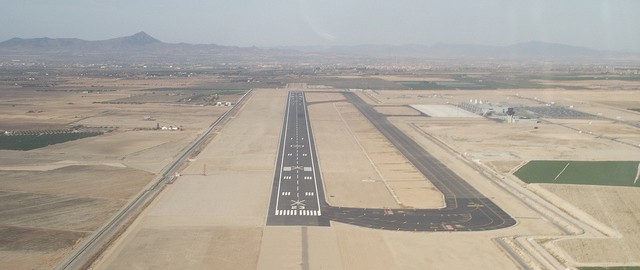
{"x":29,"y":142}
{"x":608,"y":173}
{"x":593,"y":78}
{"x":198,"y":90}
{"x":466,"y":83}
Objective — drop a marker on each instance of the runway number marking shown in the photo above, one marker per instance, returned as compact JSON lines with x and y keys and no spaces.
{"x":297,"y":204}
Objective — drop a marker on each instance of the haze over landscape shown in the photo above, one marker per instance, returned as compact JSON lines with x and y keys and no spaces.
{"x":303,"y":135}
{"x":598,"y":24}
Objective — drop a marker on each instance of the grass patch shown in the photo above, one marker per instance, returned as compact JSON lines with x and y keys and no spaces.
{"x":422,"y":85}
{"x":467,"y":83}
{"x":608,"y":173}
{"x":595,"y":78}
{"x":176,"y":95}
{"x":191,"y":90}
{"x":30,"y":142}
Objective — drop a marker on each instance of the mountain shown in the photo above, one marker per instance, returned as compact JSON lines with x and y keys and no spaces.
{"x":547,"y":50}
{"x":41,"y":43}
{"x":143,"y":48}
{"x":527,"y":50}
{"x":137,"y":48}
{"x":139,"y":39}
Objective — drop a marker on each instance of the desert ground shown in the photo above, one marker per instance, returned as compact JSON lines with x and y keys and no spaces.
{"x":213,"y":216}
{"x":359,"y":168}
{"x":230,"y":215}
{"x":504,"y":147}
{"x":52,"y":198}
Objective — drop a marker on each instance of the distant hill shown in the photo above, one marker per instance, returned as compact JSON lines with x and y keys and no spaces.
{"x":138,"y":39}
{"x":143,"y":48}
{"x":137,"y":48}
{"x":46,"y":44}
{"x":528,"y":50}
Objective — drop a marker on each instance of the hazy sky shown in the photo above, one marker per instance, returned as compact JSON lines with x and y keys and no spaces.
{"x":599,"y":24}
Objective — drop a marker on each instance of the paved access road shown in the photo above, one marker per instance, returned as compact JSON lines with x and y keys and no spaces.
{"x":466,"y":209}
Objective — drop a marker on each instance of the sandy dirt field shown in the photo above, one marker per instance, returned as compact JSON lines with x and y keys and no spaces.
{"x":223,"y":210}
{"x":45,"y":213}
{"x":348,"y":146}
{"x":489,"y":141}
{"x":214,"y":215}
{"x":612,"y":206}
{"x":595,"y":84}
{"x":344,"y":164}
{"x":504,"y":147}
{"x":52,"y":198}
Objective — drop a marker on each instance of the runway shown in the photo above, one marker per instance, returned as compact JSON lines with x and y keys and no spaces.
{"x":297,"y":193}
{"x":466,"y":209}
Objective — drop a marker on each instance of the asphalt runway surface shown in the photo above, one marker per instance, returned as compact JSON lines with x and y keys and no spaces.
{"x":466,"y":209}
{"x":297,"y":195}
